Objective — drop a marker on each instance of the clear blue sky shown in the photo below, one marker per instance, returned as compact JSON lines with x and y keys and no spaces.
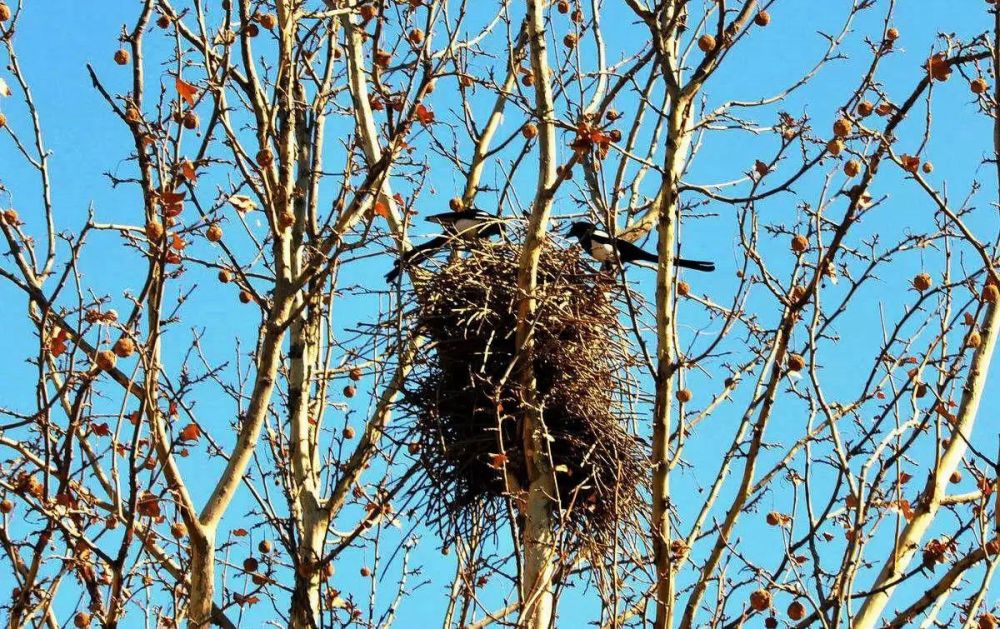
{"x":56,"y":40}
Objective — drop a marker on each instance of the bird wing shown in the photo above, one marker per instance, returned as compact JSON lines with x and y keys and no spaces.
{"x":444,"y":217}
{"x":424,"y":249}
{"x":416,"y":255}
{"x":628,"y":252}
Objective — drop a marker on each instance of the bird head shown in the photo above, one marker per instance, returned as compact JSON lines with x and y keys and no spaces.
{"x":581,"y":229}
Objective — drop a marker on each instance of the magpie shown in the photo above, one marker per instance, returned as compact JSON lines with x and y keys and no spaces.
{"x":471,"y":223}
{"x":602,"y":246}
{"x":416,"y":255}
{"x":468,"y":224}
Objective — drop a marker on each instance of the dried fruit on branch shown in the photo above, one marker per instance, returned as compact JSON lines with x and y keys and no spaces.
{"x":105,"y":360}
{"x":922,"y":282}
{"x":124,"y":347}
{"x":842,"y":127}
{"x":760,"y":600}
{"x":799,"y":243}
{"x":938,"y":67}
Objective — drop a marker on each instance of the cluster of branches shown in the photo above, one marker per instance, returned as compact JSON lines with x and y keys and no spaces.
{"x":276,"y":162}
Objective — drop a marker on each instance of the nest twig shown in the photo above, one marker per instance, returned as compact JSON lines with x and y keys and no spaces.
{"x":465,"y":401}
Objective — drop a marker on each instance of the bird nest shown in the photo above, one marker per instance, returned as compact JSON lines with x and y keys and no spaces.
{"x":465,"y":400}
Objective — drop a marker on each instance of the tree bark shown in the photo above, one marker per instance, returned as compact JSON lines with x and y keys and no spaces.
{"x":667,"y":359}
{"x":538,"y":537}
{"x":305,"y":609}
{"x":202,"y":588}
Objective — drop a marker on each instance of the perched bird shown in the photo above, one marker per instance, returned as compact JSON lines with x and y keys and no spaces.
{"x":416,"y":255}
{"x":471,"y":223}
{"x":602,"y":247}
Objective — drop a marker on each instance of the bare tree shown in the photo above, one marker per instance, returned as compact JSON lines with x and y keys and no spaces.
{"x":279,"y":151}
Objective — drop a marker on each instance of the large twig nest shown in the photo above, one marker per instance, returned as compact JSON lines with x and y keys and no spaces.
{"x":465,"y":400}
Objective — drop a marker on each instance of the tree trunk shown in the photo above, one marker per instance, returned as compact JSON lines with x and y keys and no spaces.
{"x":202,"y":588}
{"x":667,"y":365}
{"x":305,"y":609}
{"x":538,"y":538}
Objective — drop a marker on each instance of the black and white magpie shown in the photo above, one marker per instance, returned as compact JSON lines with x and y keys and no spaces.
{"x":416,"y":255}
{"x":468,"y":224}
{"x":602,"y":247}
{"x":471,"y":223}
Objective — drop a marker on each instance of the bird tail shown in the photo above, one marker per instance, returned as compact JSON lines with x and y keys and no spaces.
{"x":391,"y":276}
{"x":696,"y":265}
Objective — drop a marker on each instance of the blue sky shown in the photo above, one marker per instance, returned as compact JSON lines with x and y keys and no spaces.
{"x":56,"y":40}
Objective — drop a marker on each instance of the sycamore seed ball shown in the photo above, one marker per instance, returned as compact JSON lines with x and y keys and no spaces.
{"x":922,"y":281}
{"x":213,"y":233}
{"x":799,"y":243}
{"x":105,"y":360}
{"x":267,"y":20}
{"x":124,"y":347}
{"x":760,"y":600}
{"x":796,"y":611}
{"x":842,"y":128}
